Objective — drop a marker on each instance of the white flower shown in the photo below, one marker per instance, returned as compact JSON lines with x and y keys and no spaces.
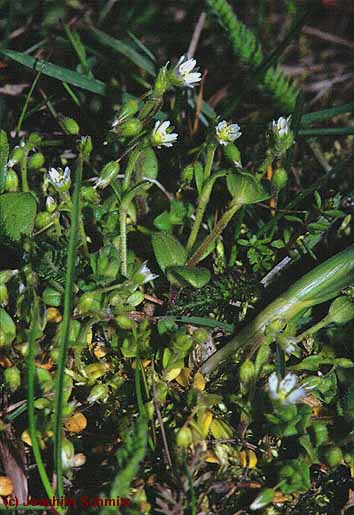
{"x":50,"y":203}
{"x":60,"y":179}
{"x":184,"y":72}
{"x":160,"y":136}
{"x":281,"y":127}
{"x":144,"y":275}
{"x":290,"y":345}
{"x":227,"y":132}
{"x":285,"y":390}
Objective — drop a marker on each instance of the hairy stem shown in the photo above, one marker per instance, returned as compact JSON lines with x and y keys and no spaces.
{"x":123,"y":240}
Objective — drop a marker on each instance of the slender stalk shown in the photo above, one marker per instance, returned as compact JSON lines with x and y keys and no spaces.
{"x":130,"y":168}
{"x":209,"y":160}
{"x":202,"y":205}
{"x":321,"y":284}
{"x":25,"y":186}
{"x":69,"y":283}
{"x":215,"y":233}
{"x":123,"y":240}
{"x":32,"y":426}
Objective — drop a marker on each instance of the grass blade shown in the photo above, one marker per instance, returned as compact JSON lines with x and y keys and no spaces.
{"x":330,"y":131}
{"x":325,"y":114}
{"x":57,"y":72}
{"x":124,"y":49}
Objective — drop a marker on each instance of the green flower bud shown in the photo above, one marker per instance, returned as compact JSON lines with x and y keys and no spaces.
{"x":99,"y":392}
{"x":51,"y":297}
{"x":34,"y":139}
{"x":341,"y":310}
{"x":187,"y":174}
{"x":70,"y":126}
{"x":36,"y":161}
{"x":50,"y":204}
{"x":11,"y":182}
{"x":86,"y":146}
{"x":334,"y":456}
{"x":263,"y":499}
{"x":108,"y":174}
{"x":184,"y":437}
{"x":127,"y":110}
{"x":130,"y":128}
{"x":124,"y":322}
{"x":233,"y":154}
{"x":200,"y":335}
{"x":4,"y":295}
{"x":162,"y":82}
{"x":67,"y":454}
{"x":16,"y":156}
{"x":279,"y":179}
{"x":89,"y":194}
{"x":89,"y":302}
{"x":43,"y":219}
{"x":12,"y":378}
{"x":149,"y":408}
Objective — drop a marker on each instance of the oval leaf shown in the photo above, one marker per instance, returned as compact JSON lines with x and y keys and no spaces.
{"x":188,"y":276}
{"x":168,"y":250}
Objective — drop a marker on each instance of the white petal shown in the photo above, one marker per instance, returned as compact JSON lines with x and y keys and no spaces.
{"x":288,"y":383}
{"x":187,"y":66}
{"x":164,"y":126}
{"x":273,"y":384}
{"x":156,"y":126}
{"x":295,"y":396}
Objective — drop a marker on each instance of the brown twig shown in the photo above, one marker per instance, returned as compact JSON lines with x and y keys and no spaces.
{"x":196,"y":35}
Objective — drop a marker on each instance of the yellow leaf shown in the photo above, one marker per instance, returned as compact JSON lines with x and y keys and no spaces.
{"x":54,"y":315}
{"x":6,"y":486}
{"x":199,"y":381}
{"x":248,"y":459}
{"x":183,"y":377}
{"x":76,"y":423}
{"x":172,"y":373}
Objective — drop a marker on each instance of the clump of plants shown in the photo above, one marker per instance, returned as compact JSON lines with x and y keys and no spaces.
{"x":146,"y":341}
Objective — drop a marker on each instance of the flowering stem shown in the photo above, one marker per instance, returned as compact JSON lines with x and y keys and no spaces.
{"x":209,"y":160}
{"x":123,"y":240}
{"x":69,"y":283}
{"x":215,"y":233}
{"x":130,"y":167}
{"x":321,"y":284}
{"x":25,"y":186}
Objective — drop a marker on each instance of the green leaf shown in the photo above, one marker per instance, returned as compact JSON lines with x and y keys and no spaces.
{"x":327,"y":131}
{"x":125,"y":50}
{"x":4,"y":155}
{"x":325,"y":114}
{"x":57,"y":72}
{"x":188,"y":276}
{"x":7,"y":328}
{"x":245,"y":188}
{"x":168,"y":250}
{"x":17,"y":214}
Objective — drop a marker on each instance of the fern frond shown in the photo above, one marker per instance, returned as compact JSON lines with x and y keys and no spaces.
{"x":245,"y":44}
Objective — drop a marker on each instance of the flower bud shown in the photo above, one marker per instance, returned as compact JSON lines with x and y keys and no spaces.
{"x":70,"y":126}
{"x":51,"y":297}
{"x":233,"y":154}
{"x":11,"y":182}
{"x":67,"y":454}
{"x":279,"y":179}
{"x":184,"y":437}
{"x":34,"y":139}
{"x":200,"y":335}
{"x":341,"y":310}
{"x":89,"y":194}
{"x":99,"y":392}
{"x":321,"y":433}
{"x":12,"y":378}
{"x":187,"y":174}
{"x":263,"y":499}
{"x":86,"y":146}
{"x":127,"y":110}
{"x":50,"y":204}
{"x":247,"y":373}
{"x":16,"y":156}
{"x":130,"y":128}
{"x":162,"y":82}
{"x":108,"y":174}
{"x":42,"y":219}
{"x":36,"y":161}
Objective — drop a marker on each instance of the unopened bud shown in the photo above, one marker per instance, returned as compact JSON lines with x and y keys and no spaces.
{"x":36,"y":161}
{"x":130,"y":128}
{"x":71,"y":126}
{"x":279,"y":179}
{"x":184,"y":437}
{"x":11,"y":182}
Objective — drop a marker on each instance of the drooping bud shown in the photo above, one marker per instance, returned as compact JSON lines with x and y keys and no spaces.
{"x":50,"y":204}
{"x":70,"y":126}
{"x":108,"y":173}
{"x":341,"y":310}
{"x":233,"y":154}
{"x":127,"y":110}
{"x":162,"y":82}
{"x":279,"y":179}
{"x":43,"y":219}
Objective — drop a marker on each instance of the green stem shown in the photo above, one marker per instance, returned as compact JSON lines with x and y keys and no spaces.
{"x":130,"y":167}
{"x":123,"y":240}
{"x":202,"y":205}
{"x":314,"y":329}
{"x":69,"y":283}
{"x":321,"y":284}
{"x":83,"y":238}
{"x":215,"y":233}
{"x":25,"y":186}
{"x":209,"y":160}
{"x":32,"y":427}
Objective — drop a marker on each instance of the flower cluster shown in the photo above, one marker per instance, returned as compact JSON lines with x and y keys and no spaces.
{"x":286,"y":390}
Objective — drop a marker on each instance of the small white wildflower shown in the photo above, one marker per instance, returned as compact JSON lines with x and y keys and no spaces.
{"x":160,"y":136}
{"x":50,"y":203}
{"x":285,"y":390}
{"x":145,"y":275}
{"x":60,"y":179}
{"x":184,"y":72}
{"x":227,"y":132}
{"x":281,"y":127}
{"x":290,"y":345}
